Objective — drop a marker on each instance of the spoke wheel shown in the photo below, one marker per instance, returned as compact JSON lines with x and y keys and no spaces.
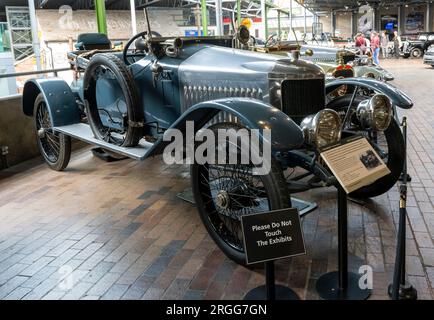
{"x":54,"y":147}
{"x":225,"y":193}
{"x":112,"y":102}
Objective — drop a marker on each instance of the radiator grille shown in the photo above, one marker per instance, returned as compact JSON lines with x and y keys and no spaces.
{"x":194,"y":94}
{"x":301,"y":98}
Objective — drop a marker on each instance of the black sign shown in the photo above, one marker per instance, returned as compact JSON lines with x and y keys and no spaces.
{"x":272,"y":235}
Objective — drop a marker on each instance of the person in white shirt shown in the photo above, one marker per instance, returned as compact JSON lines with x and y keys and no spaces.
{"x":368,"y":44}
{"x":385,"y":44}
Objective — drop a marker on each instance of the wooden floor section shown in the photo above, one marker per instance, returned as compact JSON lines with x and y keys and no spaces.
{"x":118,"y":231}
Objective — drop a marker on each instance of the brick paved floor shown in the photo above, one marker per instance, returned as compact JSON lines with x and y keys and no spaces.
{"x":121,"y":233}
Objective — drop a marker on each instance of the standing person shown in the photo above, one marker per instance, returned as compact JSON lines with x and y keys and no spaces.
{"x":361,"y":43}
{"x":368,"y":44}
{"x":397,"y":43}
{"x":375,"y":47}
{"x":385,"y":44}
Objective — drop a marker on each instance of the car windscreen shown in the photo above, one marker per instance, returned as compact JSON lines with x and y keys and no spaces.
{"x":180,"y":22}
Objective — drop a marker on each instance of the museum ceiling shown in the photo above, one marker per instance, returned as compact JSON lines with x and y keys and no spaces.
{"x":345,"y":5}
{"x":313,"y":5}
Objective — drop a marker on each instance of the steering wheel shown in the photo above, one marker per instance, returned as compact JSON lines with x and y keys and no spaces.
{"x":253,"y":40}
{"x":272,"y":40}
{"x":127,"y":55}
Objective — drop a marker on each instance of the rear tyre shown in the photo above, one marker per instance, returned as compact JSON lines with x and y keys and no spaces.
{"x":119,"y":102}
{"x":392,"y":147}
{"x":55,"y":147}
{"x":224,"y":193}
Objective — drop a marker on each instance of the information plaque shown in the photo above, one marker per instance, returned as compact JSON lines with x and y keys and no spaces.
{"x":355,"y":163}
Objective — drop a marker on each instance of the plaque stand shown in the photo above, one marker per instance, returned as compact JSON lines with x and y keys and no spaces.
{"x":270,"y":291}
{"x":341,"y":284}
{"x":400,"y":289}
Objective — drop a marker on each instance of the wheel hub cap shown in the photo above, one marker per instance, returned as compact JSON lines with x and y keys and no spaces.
{"x":41,"y":133}
{"x":223,"y":199}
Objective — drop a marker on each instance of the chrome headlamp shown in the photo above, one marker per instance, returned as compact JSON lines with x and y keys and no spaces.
{"x":322,"y":129}
{"x":369,"y":75}
{"x":375,"y":113}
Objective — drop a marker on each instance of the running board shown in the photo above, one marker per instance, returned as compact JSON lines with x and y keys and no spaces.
{"x":84,"y":133}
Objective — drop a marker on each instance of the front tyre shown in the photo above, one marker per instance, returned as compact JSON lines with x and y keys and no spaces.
{"x":391,"y":140}
{"x":55,"y":147}
{"x":224,"y":193}
{"x":390,"y":146}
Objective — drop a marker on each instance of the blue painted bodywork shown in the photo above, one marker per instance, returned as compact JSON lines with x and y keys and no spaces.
{"x":59,"y":98}
{"x":254,"y":114}
{"x":201,"y":82}
{"x":216,"y":77}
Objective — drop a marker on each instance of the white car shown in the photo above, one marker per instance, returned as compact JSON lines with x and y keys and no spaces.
{"x":429,"y":56}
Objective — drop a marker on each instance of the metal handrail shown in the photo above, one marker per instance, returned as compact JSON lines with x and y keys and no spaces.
{"x":11,"y":96}
{"x":32,"y":73}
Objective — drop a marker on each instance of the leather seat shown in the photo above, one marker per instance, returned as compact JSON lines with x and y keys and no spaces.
{"x":93,"y":41}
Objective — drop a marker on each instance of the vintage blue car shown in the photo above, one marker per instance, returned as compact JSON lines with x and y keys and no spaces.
{"x":124,"y":102}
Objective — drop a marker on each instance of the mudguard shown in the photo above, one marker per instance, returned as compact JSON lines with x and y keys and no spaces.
{"x":253,"y":114}
{"x":397,"y":97}
{"x":59,"y":98}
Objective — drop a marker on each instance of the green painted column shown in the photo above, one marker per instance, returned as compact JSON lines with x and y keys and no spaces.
{"x":101,"y":16}
{"x":266,"y":21}
{"x":204,"y":18}
{"x":238,"y":12}
{"x":279,"y":29}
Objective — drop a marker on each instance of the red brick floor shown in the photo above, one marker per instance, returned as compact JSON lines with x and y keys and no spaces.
{"x":120,"y":231}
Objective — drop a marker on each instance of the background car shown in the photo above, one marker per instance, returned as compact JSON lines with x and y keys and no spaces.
{"x":417,"y":48}
{"x":428,"y":58}
{"x":331,"y":58}
{"x":335,"y":62}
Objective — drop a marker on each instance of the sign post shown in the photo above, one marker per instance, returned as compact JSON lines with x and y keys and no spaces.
{"x":355,"y":164}
{"x":341,"y":284}
{"x":268,"y":237}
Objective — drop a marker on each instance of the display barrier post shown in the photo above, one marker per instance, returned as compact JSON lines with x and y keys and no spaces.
{"x":270,"y":236}
{"x":341,"y":284}
{"x":400,"y":289}
{"x":270,"y":281}
{"x":270,"y":291}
